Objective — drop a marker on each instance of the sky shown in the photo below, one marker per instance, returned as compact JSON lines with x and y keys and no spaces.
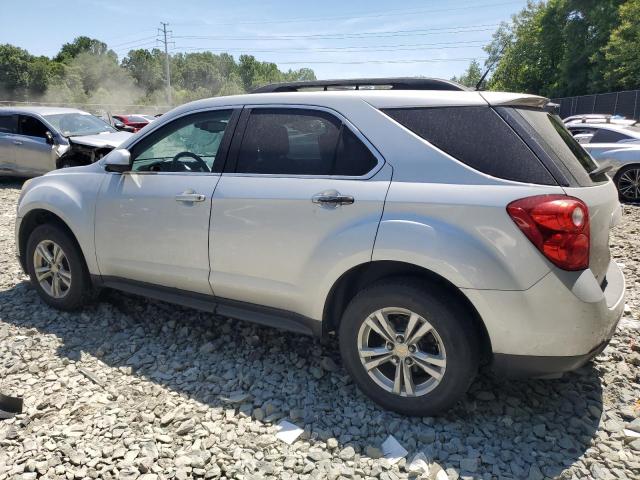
{"x":336,"y":38}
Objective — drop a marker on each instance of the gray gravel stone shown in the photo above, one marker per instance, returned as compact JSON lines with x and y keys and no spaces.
{"x":130,"y":388}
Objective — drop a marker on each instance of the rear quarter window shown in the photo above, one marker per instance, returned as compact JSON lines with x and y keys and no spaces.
{"x":478,"y":137}
{"x":547,"y":135}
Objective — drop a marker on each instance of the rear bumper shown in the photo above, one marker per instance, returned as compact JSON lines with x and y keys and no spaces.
{"x":522,"y":366}
{"x":555,"y":326}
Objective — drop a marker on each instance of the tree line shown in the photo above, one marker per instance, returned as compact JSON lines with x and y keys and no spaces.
{"x":554,"y":48}
{"x":564,"y":48}
{"x":87,"y":71}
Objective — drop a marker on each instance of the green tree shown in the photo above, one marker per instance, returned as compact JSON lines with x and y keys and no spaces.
{"x":22,"y":75}
{"x":146,"y":67}
{"x":555,"y":48}
{"x":471,"y":76}
{"x":82,"y":45}
{"x":622,"y":52}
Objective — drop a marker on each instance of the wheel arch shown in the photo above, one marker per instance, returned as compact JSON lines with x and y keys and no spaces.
{"x":363,"y":275}
{"x":33,"y":219}
{"x":625,"y":166}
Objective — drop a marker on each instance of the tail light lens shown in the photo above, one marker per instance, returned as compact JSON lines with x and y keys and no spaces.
{"x":558,"y":225}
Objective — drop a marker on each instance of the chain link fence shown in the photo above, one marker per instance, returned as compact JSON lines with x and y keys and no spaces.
{"x":626,"y":103}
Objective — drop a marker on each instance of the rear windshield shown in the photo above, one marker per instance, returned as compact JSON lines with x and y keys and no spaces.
{"x":478,"y":137}
{"x":547,"y":135}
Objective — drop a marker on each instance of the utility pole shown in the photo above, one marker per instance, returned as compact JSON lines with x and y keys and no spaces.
{"x":163,"y":31}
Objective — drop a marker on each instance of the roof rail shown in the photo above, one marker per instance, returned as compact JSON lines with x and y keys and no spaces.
{"x":363,"y":84}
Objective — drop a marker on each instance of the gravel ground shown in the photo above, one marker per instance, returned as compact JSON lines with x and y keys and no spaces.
{"x":130,"y":388}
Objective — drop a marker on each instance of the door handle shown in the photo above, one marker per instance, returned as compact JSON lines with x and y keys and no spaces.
{"x":332,"y":199}
{"x":190,"y":196}
{"x":17,"y":142}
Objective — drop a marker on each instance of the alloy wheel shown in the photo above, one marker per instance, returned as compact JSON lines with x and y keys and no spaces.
{"x":52,"y":269}
{"x":629,"y":184}
{"x":402,"y":352}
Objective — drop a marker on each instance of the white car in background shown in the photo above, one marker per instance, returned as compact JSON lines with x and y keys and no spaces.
{"x":616,"y":145}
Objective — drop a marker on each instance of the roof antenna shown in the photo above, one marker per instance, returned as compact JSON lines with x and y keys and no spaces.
{"x":486,"y":72}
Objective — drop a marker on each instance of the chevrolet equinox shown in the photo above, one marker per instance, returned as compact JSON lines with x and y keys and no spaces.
{"x":430,"y":228}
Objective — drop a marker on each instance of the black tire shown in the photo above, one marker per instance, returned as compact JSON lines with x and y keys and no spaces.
{"x":453,"y":324}
{"x":79,"y":291}
{"x":629,"y":172}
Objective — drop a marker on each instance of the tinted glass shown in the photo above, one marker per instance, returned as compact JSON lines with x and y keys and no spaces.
{"x":603,"y":135}
{"x":77,"y":124}
{"x":353,"y":158}
{"x":557,"y":141}
{"x":478,"y":137}
{"x":32,"y":127}
{"x":301,"y":142}
{"x":188,"y":144}
{"x":8,"y":123}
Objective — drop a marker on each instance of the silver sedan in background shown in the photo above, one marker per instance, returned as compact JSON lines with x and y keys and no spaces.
{"x":36,"y":140}
{"x":616,"y":145}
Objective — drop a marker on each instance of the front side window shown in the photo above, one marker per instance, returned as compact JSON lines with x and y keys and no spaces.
{"x":32,"y":127}
{"x":301,"y":142}
{"x":188,"y":144}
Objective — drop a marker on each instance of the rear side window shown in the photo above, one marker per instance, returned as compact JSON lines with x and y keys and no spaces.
{"x":8,"y":123}
{"x":608,"y":136}
{"x":550,"y":139}
{"x":301,"y":142}
{"x":478,"y":137}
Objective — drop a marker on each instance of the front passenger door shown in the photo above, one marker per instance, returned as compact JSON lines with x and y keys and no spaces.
{"x":151,"y":223}
{"x":34,"y":155}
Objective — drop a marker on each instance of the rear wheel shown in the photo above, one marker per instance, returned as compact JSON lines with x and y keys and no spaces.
{"x":628,"y":183}
{"x":409,"y":348}
{"x":56,"y":268}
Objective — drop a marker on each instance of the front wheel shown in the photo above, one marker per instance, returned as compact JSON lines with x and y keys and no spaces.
{"x":409,"y":348}
{"x":56,"y":268}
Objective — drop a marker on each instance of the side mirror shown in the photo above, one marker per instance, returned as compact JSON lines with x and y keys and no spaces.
{"x":118,"y":160}
{"x":49,"y":137}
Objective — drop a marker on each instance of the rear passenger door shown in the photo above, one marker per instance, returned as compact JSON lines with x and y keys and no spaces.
{"x":298,"y":204}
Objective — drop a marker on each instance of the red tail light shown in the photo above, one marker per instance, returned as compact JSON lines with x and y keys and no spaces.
{"x":558,"y":225}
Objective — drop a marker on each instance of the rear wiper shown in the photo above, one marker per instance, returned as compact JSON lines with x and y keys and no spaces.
{"x":594,"y":174}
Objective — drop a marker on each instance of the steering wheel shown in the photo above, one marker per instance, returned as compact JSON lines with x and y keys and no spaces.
{"x":177,"y":166}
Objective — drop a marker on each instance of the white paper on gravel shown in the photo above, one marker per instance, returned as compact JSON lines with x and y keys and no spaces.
{"x":419,"y":465}
{"x":392,"y":450}
{"x":288,"y":432}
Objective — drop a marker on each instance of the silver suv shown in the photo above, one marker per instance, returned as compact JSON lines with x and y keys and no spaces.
{"x":432,"y":229}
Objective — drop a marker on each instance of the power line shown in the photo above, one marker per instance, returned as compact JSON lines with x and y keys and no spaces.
{"x":388,"y":48}
{"x":358,"y":17}
{"x":133,"y":41}
{"x":134,"y":47}
{"x":342,"y":36}
{"x":362,"y":62}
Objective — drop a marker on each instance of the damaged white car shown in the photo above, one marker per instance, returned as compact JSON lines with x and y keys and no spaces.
{"x":36,"y":140}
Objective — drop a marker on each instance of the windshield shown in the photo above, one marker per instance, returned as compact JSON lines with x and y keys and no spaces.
{"x":77,"y":124}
